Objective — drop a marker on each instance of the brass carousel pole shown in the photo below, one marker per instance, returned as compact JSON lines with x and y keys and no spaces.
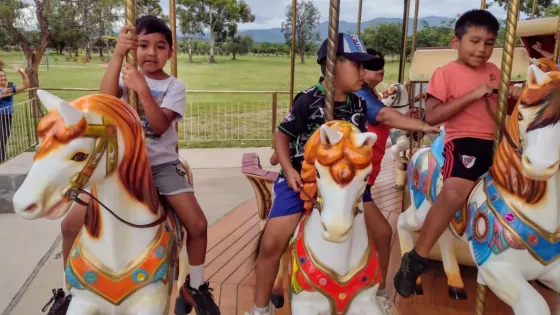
{"x":507,"y":60}
{"x":412,"y":87}
{"x":404,"y":36}
{"x":130,"y":12}
{"x":293,"y":55}
{"x":332,"y":44}
{"x":534,"y":10}
{"x":557,"y":46}
{"x":483,"y":4}
{"x":173,"y":20}
{"x":359,"y":28}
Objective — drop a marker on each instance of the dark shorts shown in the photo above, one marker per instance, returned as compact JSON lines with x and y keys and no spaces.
{"x":467,"y":158}
{"x":288,"y":202}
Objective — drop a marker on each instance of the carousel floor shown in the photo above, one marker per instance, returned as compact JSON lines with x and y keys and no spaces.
{"x":230,"y":268}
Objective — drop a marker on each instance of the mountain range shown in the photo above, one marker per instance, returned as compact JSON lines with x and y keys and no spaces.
{"x":274,"y":35}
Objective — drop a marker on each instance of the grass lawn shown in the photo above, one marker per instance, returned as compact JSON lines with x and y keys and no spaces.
{"x":211,"y":119}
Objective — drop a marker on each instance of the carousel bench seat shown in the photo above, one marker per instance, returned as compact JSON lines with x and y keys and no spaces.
{"x":262,"y":181}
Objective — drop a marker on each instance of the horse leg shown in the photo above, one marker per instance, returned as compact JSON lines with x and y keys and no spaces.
{"x":277,"y":296}
{"x":508,"y":283}
{"x":152,"y":299}
{"x":310,"y":303}
{"x":456,"y":287}
{"x":401,"y":145}
{"x":409,"y":222}
{"x":82,"y":307}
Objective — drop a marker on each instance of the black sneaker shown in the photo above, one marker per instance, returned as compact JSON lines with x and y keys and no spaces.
{"x":201,"y":299}
{"x":60,"y":302}
{"x":412,"y":266}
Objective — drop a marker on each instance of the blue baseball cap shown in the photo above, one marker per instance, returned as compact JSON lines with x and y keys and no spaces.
{"x":350,"y":46}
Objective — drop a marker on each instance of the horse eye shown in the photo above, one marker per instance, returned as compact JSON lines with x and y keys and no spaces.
{"x":79,"y":157}
{"x":365,"y":179}
{"x":519,"y":116}
{"x":317,"y":174}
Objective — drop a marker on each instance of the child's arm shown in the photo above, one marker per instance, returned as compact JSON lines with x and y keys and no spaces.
{"x":110,"y":81}
{"x":392,"y":118}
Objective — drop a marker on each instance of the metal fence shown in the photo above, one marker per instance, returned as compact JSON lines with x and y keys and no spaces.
{"x":211,"y":119}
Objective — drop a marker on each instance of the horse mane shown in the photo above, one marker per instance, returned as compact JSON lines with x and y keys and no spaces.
{"x":507,"y":170}
{"x":343,"y":159}
{"x":134,"y":170}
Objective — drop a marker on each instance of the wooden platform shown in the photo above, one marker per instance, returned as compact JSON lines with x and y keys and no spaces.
{"x":230,"y":267}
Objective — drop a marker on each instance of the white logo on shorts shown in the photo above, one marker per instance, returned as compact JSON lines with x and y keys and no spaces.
{"x":468,"y":161}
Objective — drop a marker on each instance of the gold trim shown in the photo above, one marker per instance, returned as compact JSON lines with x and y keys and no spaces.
{"x":331,"y":273}
{"x":545,"y":234}
{"x":116,"y":276}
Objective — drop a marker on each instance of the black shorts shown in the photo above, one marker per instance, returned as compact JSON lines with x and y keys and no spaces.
{"x":467,"y":158}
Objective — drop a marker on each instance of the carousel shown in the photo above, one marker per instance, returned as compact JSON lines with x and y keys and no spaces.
{"x":503,"y":239}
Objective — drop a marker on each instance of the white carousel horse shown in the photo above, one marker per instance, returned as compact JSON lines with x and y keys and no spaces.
{"x":399,"y":140}
{"x":511,"y":218}
{"x":124,"y":259}
{"x":334,"y":266}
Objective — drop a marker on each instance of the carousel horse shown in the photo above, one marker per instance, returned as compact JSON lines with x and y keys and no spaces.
{"x":399,"y":140}
{"x":334,"y":266}
{"x":124,"y":259}
{"x":511,"y":218}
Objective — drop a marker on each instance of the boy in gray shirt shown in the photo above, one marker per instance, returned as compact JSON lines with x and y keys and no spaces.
{"x":161,"y":99}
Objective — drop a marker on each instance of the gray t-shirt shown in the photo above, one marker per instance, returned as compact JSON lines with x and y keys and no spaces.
{"x":169,"y":93}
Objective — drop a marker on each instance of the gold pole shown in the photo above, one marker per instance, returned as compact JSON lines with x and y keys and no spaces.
{"x":483,"y":4}
{"x":173,"y":18}
{"x":507,"y":59}
{"x":359,"y":28}
{"x":332,"y":45}
{"x":404,"y":37}
{"x":130,"y":11}
{"x":415,"y":26}
{"x":557,"y":46}
{"x":534,"y":11}
{"x":480,"y":299}
{"x":293,"y":55}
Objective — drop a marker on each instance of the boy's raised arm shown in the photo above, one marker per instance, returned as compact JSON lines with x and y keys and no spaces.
{"x":110,"y":81}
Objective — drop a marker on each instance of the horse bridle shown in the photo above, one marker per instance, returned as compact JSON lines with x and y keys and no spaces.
{"x":503,"y":130}
{"x":319,"y":204}
{"x":398,"y":98}
{"x":106,"y":142}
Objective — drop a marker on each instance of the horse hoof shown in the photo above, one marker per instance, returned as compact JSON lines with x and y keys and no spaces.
{"x":418,"y":290}
{"x":457,"y":293}
{"x":277,"y":300}
{"x":542,"y":285}
{"x":182,"y":307}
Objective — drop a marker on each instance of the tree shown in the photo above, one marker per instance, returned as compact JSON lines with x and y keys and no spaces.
{"x":13,"y":17}
{"x":307,"y":18}
{"x":241,"y":45}
{"x":219,"y":16}
{"x":144,"y":7}
{"x":385,"y":38}
{"x":190,"y":27}
{"x":553,"y":10}
{"x":526,"y":6}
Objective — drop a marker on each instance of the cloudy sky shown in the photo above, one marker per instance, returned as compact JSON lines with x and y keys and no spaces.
{"x":271,"y":13}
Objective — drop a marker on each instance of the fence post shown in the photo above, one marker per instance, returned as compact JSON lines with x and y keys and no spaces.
{"x":274,"y":111}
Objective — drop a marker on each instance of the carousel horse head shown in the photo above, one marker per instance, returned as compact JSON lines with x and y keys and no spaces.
{"x":396,"y":95}
{"x":81,"y":144}
{"x":539,"y":130}
{"x":336,"y":167}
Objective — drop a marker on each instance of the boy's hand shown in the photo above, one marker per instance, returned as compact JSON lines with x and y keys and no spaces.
{"x":537,"y":47}
{"x":482,"y":91}
{"x":125,"y":41}
{"x":133,"y":79}
{"x":294,"y":180}
{"x":514,"y":92}
{"x":429,"y":129}
{"x":19,"y":70}
{"x":7,"y":91}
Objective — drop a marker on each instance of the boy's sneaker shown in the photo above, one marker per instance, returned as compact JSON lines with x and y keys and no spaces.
{"x":384,"y":303}
{"x":60,"y":302}
{"x":412,"y":266}
{"x":201,"y":299}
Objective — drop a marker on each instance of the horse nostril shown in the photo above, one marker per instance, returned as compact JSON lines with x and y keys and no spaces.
{"x":31,"y":207}
{"x":527,"y":160}
{"x":323,"y":225}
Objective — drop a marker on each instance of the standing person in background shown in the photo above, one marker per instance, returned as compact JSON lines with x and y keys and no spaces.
{"x":7,"y":106}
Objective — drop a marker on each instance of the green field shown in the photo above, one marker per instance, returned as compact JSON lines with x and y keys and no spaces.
{"x":211,"y":119}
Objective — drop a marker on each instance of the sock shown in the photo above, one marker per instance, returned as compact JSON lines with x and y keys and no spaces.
{"x":261,"y":310}
{"x":417,"y":258}
{"x":197,"y":276}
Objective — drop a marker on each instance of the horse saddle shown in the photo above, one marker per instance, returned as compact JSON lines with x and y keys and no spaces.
{"x":437,"y":148}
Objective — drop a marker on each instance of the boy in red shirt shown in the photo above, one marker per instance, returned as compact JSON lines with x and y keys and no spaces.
{"x":456,"y":97}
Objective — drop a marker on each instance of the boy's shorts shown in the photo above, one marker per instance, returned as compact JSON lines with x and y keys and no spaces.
{"x":467,"y":158}
{"x":169,"y":178}
{"x":288,"y":202}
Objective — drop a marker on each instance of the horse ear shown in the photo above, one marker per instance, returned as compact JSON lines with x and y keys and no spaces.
{"x":366,"y":139}
{"x":329,"y":135}
{"x":535,"y":76}
{"x":69,"y":114}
